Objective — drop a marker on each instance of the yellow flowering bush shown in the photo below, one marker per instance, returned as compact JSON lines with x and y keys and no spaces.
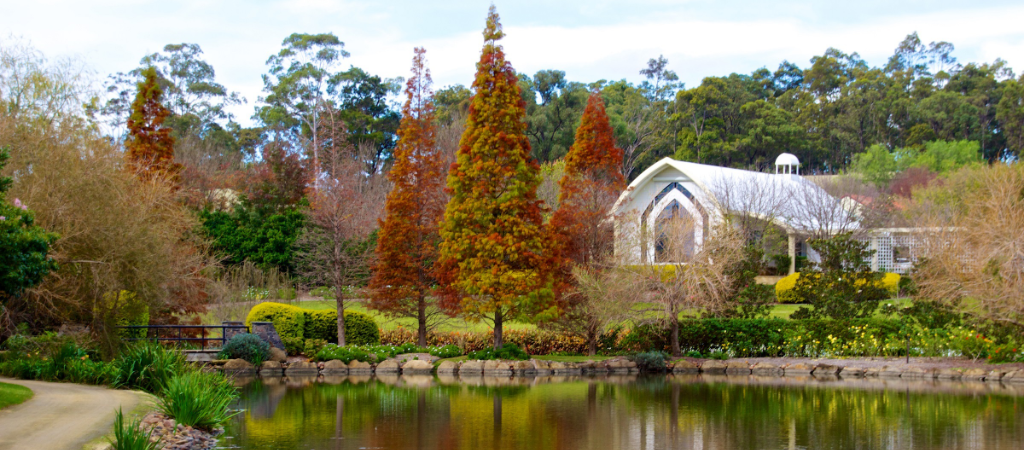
{"x":784,"y":288}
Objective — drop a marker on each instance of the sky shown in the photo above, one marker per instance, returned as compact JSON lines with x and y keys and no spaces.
{"x":590,"y":39}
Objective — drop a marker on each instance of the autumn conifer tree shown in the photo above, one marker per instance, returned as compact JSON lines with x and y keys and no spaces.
{"x":407,"y":244}
{"x":150,"y":146}
{"x":584,"y":232}
{"x":495,"y":258}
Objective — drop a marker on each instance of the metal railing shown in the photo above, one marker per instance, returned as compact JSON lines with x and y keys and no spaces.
{"x":188,"y":333}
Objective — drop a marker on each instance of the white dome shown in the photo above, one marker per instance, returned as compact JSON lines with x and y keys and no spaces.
{"x":787,"y":159}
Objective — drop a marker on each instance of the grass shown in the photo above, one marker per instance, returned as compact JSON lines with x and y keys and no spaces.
{"x":13,"y":394}
{"x":198,"y":399}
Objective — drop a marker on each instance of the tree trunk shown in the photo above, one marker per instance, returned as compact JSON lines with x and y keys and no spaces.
{"x":341,"y":315}
{"x":676,"y":351}
{"x":592,"y":337}
{"x":422,"y":318}
{"x":498,"y":338}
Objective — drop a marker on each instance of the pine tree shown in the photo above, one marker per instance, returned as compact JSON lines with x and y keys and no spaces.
{"x":150,"y":146}
{"x":407,"y":244}
{"x":495,"y":258}
{"x":592,"y":182}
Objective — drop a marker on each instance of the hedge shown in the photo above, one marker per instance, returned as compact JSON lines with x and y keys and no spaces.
{"x":784,"y":288}
{"x":299,"y":323}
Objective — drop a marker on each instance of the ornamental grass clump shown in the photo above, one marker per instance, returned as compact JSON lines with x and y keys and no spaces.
{"x":198,"y":399}
{"x":247,"y":346}
{"x":506,"y":352}
{"x":129,"y":435}
{"x":148,"y":366}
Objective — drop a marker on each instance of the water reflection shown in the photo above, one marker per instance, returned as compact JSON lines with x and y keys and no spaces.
{"x":624,"y":412}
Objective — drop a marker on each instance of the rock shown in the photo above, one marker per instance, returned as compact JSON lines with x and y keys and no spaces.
{"x":417,"y":367}
{"x":447,"y":367}
{"x":271,"y":369}
{"x":278,"y":355}
{"x":714,"y":367}
{"x":238,"y":366}
{"x":798,"y":369}
{"x":825,"y":370}
{"x":995,"y":376}
{"x":918,"y":373}
{"x":765,"y":369}
{"x":566,"y":368}
{"x":471,"y":368}
{"x":872,"y":372}
{"x":495,"y":367}
{"x":356,"y":367}
{"x":737,"y":368}
{"x":684,"y":366}
{"x":541,"y":367}
{"x":335,"y":367}
{"x":524,"y":368}
{"x":890,"y":372}
{"x":852,"y":372}
{"x":389,"y":367}
{"x":1014,"y":377}
{"x":949,"y":374}
{"x":301,"y":368}
{"x":975,"y":374}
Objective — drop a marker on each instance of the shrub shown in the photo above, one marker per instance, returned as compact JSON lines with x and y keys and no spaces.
{"x":345,"y":354}
{"x":130,"y":435}
{"x":360,"y":329}
{"x":650,"y":361}
{"x":198,"y":399}
{"x":448,"y":351}
{"x":293,"y":346}
{"x":506,"y":352}
{"x":288,"y":320}
{"x":130,"y":311}
{"x":786,"y":293}
{"x":249,"y":347}
{"x":147,"y":366}
{"x":313,"y":346}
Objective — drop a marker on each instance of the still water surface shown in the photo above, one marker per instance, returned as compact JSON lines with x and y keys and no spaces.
{"x":657,"y":412}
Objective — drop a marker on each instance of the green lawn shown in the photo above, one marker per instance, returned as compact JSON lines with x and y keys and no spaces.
{"x":13,"y":394}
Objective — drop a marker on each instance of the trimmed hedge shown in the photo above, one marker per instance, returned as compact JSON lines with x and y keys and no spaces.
{"x":784,"y":288}
{"x":299,"y":323}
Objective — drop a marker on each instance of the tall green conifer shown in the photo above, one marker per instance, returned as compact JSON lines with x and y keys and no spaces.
{"x":495,"y":258}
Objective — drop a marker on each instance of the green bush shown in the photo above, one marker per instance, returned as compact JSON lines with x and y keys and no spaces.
{"x":785,"y":289}
{"x":653,"y":361}
{"x":130,"y":435}
{"x":147,"y":366}
{"x":345,"y":354}
{"x":293,"y":346}
{"x":448,"y":351}
{"x":289,"y":321}
{"x":506,"y":352}
{"x":70,"y":362}
{"x":313,"y":346}
{"x":198,"y":399}
{"x":249,"y":347}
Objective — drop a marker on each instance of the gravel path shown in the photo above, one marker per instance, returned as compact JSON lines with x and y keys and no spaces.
{"x":62,"y":415}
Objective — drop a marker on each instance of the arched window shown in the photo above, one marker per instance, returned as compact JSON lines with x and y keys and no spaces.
{"x":675,"y":238}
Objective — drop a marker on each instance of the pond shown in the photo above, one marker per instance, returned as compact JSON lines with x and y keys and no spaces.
{"x":624,"y":412}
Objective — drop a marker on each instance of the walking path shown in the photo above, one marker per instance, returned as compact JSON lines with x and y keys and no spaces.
{"x":62,"y":415}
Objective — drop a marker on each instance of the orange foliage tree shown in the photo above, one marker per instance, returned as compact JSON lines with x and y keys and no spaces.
{"x":582,"y":228}
{"x":495,"y":255}
{"x":407,"y":244}
{"x":150,"y":146}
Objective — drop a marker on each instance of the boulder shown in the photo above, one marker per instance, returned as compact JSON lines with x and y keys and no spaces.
{"x":918,"y":373}
{"x":474,"y":367}
{"x":566,"y":368}
{"x":684,"y":366}
{"x":447,"y":367}
{"x":524,"y":368}
{"x":238,"y":367}
{"x":890,"y":372}
{"x":278,"y":355}
{"x":271,"y":369}
{"x":417,"y":367}
{"x":302,"y":368}
{"x":737,"y":368}
{"x":1014,"y":377}
{"x":975,"y":374}
{"x":335,"y":367}
{"x":798,"y":369}
{"x":766,"y":369}
{"x":872,"y":372}
{"x":949,"y":374}
{"x":995,"y":376}
{"x":389,"y":367}
{"x":714,"y":367}
{"x":356,"y":367}
{"x":495,"y":367}
{"x":852,"y":372}
{"x":825,"y":370}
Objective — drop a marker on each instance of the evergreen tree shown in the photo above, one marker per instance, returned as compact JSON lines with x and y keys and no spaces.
{"x":495,"y":258}
{"x":23,"y":245}
{"x":150,"y":146}
{"x":407,"y":246}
